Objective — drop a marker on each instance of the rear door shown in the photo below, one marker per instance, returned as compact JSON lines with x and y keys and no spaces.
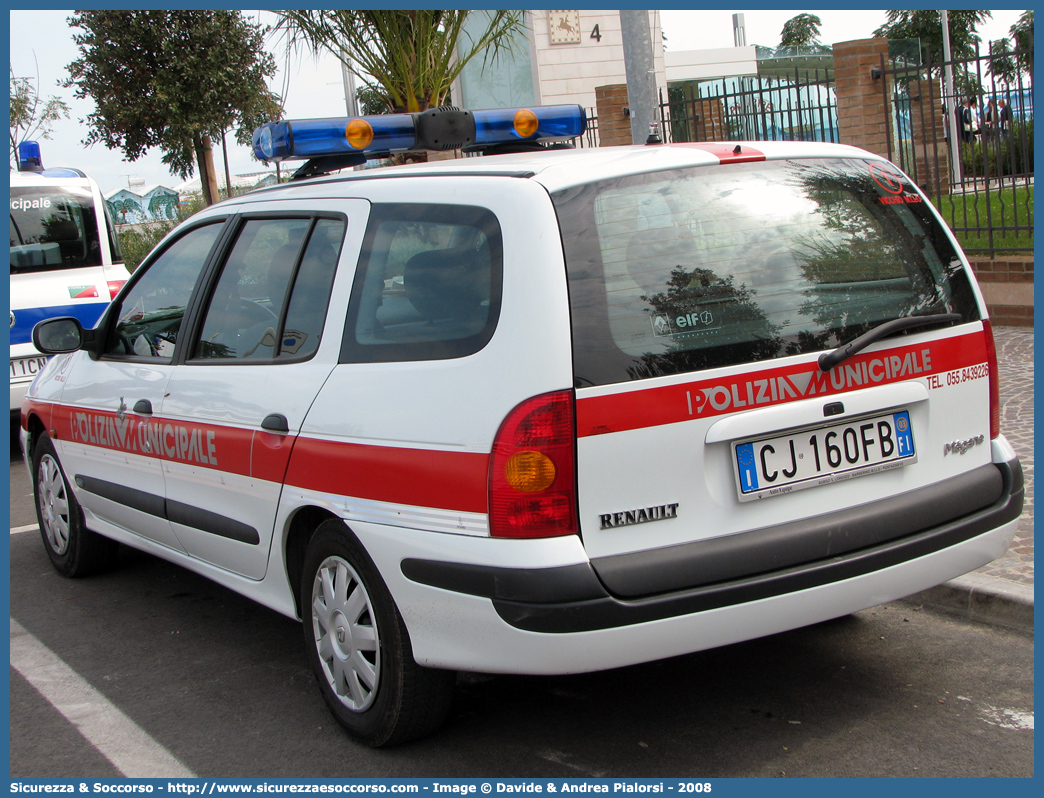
{"x":701,"y":304}
{"x":260,"y":354}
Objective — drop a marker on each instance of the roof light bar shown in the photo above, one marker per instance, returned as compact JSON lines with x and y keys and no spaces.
{"x":434,"y":129}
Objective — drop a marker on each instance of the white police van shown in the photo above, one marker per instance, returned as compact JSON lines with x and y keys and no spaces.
{"x":65,"y":258}
{"x":541,"y":412}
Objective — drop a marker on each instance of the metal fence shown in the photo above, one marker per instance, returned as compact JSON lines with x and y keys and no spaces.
{"x":797,"y":107}
{"x":590,"y":136}
{"x":984,"y":184}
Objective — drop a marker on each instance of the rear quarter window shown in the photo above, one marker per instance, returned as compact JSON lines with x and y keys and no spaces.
{"x":683,"y":270}
{"x":428,"y":284}
{"x":53,"y":228}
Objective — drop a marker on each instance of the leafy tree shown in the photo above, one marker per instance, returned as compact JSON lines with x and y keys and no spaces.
{"x":409,"y":57}
{"x":801,"y":31}
{"x":170,"y":79}
{"x":927,"y":26}
{"x":32,"y":117}
{"x":372,"y":100}
{"x":1022,"y":33}
{"x":1002,"y":64}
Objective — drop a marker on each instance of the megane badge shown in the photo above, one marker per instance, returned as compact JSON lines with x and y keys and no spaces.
{"x":960,"y":447}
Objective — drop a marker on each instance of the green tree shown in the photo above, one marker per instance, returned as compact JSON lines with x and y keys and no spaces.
{"x":32,"y":117}
{"x":410,"y":57}
{"x":1012,"y":57}
{"x":1002,"y":64}
{"x":801,"y":31}
{"x":1022,"y":34}
{"x":372,"y":100}
{"x":927,"y":26}
{"x":170,"y":79}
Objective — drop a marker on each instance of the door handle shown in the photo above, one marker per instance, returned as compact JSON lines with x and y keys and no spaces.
{"x":143,"y":407}
{"x":276,"y":422}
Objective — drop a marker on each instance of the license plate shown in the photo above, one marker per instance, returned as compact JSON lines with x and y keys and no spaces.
{"x":27,"y":367}
{"x":812,"y":457}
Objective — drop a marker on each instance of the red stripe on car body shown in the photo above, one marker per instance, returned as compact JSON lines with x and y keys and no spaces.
{"x":728,"y":152}
{"x":206,"y":445}
{"x":454,"y":481}
{"x":651,"y":407}
{"x":419,"y":477}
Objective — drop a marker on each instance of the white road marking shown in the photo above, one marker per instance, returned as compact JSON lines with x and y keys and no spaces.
{"x":1015,"y":719}
{"x":17,"y":530}
{"x":119,"y":739}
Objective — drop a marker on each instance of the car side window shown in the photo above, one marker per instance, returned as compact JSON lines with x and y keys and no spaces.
{"x":270,"y":300}
{"x":306,"y":312}
{"x":428,"y":285}
{"x":152,"y":311}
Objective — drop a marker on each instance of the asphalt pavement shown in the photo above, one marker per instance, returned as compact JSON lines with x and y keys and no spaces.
{"x":1002,"y":592}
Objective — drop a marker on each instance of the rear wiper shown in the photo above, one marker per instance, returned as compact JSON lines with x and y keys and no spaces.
{"x":828,"y":360}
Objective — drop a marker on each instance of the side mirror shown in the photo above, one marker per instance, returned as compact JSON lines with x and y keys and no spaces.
{"x":58,"y":336}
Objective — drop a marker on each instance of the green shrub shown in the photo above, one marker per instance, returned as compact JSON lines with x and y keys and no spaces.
{"x":139,"y":240}
{"x":1000,"y":156}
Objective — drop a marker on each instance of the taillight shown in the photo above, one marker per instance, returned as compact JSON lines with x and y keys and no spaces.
{"x":991,"y":359}
{"x":114,"y":287}
{"x":532,"y":471}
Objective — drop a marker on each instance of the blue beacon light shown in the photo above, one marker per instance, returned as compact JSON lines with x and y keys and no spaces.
{"x":540,"y":123}
{"x":29,"y":158}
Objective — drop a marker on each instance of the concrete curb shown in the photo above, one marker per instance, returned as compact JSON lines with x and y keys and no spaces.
{"x":983,"y":598}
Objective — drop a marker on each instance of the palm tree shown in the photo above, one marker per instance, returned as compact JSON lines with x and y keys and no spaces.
{"x":410,"y":57}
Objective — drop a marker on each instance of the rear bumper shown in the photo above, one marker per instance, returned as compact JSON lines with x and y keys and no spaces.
{"x":591,"y":597}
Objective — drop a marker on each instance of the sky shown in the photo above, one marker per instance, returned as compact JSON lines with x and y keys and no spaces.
{"x":42,"y":45}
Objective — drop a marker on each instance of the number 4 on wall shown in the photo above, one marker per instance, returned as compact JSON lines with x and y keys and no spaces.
{"x":595,"y":34}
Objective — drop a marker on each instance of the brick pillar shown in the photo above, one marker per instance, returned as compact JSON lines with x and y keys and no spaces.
{"x":862,"y":117}
{"x":614,"y":127}
{"x":711,"y":124}
{"x":931,"y":168}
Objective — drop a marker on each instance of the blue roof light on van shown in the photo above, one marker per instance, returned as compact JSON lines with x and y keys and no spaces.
{"x":29,"y":158}
{"x":434,"y":129}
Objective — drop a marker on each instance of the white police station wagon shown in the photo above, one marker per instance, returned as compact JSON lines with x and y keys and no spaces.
{"x":544,"y":412}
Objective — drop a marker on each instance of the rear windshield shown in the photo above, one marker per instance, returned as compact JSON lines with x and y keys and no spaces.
{"x":53,"y":228}
{"x":681,"y":270}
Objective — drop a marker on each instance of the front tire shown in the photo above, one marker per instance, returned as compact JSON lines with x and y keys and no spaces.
{"x":73,"y":549}
{"x":360,"y":649}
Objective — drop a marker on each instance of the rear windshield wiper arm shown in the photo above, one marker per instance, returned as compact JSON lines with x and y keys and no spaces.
{"x":828,"y":360}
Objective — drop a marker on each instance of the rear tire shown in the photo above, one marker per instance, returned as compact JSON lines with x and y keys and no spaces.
{"x":74,"y":550}
{"x":360,"y":649}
